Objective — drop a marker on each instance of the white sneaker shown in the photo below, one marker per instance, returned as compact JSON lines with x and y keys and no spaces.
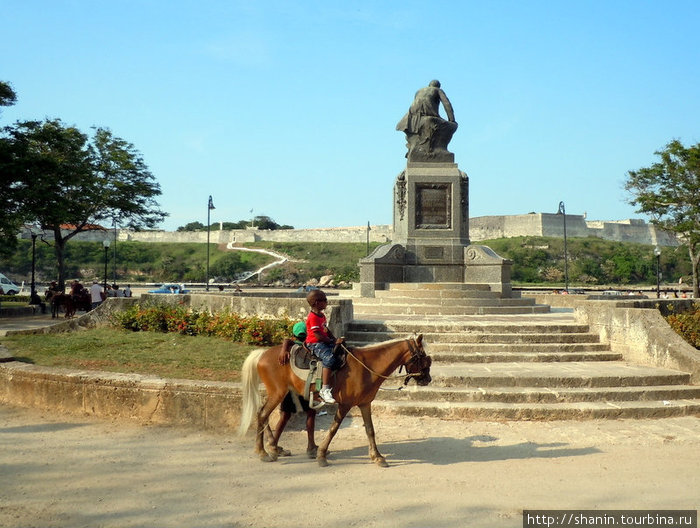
{"x":326,"y":395}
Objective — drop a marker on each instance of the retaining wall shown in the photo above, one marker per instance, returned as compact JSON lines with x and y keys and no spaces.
{"x":639,"y":332}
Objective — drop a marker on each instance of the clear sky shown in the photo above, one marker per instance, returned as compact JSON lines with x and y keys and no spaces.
{"x":289,"y":108}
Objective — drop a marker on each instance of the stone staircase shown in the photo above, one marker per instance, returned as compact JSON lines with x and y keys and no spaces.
{"x":443,"y":299}
{"x":538,"y":365}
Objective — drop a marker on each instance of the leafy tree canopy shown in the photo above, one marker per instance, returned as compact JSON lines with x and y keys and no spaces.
{"x":261,"y":222}
{"x":8,"y":97}
{"x":69,"y":182}
{"x":669,"y":191}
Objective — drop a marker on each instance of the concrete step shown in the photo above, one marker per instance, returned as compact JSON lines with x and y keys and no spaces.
{"x":570,"y":374}
{"x":470,"y":326}
{"x":452,"y":302}
{"x":430,"y":338}
{"x":436,"y":286}
{"x":435,"y":294}
{"x":364,"y":310}
{"x":526,"y":348}
{"x":541,"y":411}
{"x":512,"y":357}
{"x":541,"y":394}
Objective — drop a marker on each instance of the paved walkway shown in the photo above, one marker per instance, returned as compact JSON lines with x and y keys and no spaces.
{"x":27,"y":323}
{"x":73,"y":472}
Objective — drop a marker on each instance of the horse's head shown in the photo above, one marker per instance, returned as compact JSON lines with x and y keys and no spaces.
{"x":418,"y":366}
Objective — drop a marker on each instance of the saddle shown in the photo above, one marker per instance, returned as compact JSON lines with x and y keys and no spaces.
{"x":307,"y":366}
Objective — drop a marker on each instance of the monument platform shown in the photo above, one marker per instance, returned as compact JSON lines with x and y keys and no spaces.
{"x":442,"y":298}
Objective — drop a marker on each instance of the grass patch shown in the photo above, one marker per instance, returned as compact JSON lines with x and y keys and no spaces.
{"x":165,"y":355}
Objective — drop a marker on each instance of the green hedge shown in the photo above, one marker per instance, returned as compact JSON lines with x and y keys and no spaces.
{"x":188,"y":321}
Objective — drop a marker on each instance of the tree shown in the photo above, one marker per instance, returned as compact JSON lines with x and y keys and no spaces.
{"x":8,"y":97}
{"x":669,"y":191}
{"x":10,"y":220}
{"x":192,"y":226}
{"x":70,"y":183}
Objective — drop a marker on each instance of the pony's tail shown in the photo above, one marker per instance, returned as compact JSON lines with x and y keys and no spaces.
{"x":250,"y":397}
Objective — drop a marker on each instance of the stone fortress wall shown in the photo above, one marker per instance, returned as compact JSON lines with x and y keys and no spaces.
{"x":480,"y":228}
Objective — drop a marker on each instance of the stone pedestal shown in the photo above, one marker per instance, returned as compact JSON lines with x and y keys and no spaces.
{"x":431,"y":221}
{"x":431,"y":235}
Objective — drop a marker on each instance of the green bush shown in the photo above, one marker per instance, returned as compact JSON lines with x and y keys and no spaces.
{"x":687,"y":325}
{"x":188,"y":321}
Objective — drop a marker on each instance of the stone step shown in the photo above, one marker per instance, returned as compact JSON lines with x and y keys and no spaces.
{"x":461,"y":349}
{"x":411,"y":327}
{"x":511,"y":357}
{"x":435,"y":294}
{"x":428,"y":302}
{"x":526,"y":348}
{"x":436,"y":286}
{"x":430,"y":338}
{"x":540,"y":411}
{"x":541,"y":394}
{"x":365,"y":311}
{"x":570,"y":374}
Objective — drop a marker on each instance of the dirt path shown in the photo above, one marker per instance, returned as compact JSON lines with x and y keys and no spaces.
{"x":66,"y":471}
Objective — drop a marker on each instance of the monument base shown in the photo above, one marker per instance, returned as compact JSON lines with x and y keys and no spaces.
{"x":389,"y":264}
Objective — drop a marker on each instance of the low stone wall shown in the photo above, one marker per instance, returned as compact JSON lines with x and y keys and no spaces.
{"x":639,"y":332}
{"x":144,"y":399}
{"x":339,"y":312}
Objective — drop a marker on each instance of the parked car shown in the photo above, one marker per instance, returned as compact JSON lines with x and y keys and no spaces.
{"x":8,"y":287}
{"x":170,"y":288}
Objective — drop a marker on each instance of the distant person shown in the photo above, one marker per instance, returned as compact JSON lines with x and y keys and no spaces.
{"x":52,"y":290}
{"x":127,"y":291}
{"x":96,"y":294}
{"x":117,"y":291}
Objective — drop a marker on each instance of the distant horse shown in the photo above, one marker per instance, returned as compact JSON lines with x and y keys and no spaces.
{"x":62,"y":300}
{"x":355,"y":384}
{"x":70,"y":303}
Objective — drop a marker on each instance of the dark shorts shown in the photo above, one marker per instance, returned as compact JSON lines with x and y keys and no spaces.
{"x":288,"y":406}
{"x":324,"y":352}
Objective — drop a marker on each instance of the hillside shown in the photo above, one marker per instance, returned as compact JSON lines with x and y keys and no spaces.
{"x":536,"y":260}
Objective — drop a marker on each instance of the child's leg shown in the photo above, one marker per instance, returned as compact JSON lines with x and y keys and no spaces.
{"x":326,"y":377}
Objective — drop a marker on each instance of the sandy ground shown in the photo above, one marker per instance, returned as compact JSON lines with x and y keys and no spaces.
{"x":67,"y":471}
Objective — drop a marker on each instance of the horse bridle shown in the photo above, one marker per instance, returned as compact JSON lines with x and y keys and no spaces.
{"x":418,"y":355}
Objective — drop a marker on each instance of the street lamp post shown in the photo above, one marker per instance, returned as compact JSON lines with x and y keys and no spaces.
{"x":114,"y":267}
{"x":368,"y":230}
{"x":105,"y":244}
{"x":657,"y":254}
{"x":562,"y":211}
{"x":210,"y":206}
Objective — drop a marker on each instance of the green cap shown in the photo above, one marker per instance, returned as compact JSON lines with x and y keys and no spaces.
{"x":299,"y":330}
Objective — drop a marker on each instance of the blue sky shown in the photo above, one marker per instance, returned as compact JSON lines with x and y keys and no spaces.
{"x":289,"y":107}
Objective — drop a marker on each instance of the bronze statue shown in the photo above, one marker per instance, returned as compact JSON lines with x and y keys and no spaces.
{"x":428,"y":134}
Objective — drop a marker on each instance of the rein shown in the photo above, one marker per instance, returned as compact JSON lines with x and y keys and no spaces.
{"x":397,"y":376}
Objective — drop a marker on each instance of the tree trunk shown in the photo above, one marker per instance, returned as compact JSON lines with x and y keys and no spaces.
{"x":695,"y":262}
{"x":59,"y":248}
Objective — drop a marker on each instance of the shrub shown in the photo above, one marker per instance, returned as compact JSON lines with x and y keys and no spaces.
{"x":687,"y":325}
{"x":188,"y":321}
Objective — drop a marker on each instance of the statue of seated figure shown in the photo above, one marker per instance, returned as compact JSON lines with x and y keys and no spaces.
{"x":428,"y":134}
